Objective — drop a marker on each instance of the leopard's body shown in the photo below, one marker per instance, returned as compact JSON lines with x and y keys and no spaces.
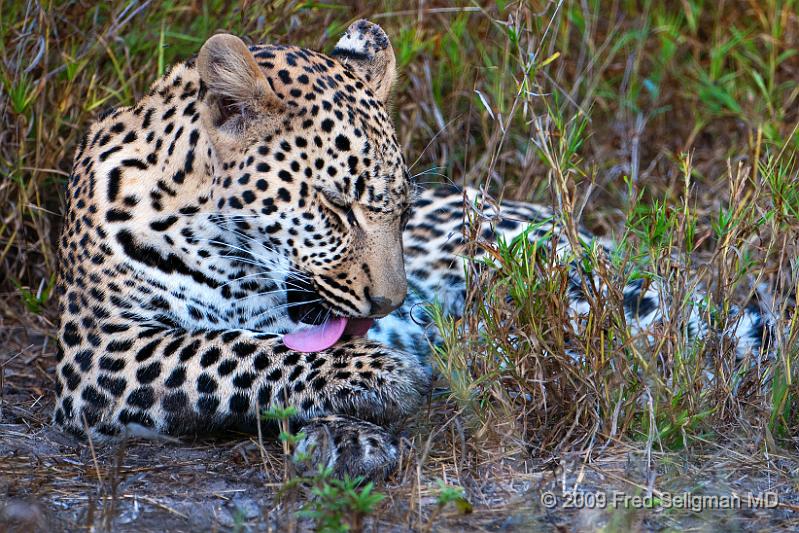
{"x":252,"y":190}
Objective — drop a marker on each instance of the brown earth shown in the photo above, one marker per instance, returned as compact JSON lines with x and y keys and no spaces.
{"x":50,"y":482}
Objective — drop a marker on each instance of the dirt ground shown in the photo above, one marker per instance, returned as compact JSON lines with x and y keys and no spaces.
{"x":50,"y":482}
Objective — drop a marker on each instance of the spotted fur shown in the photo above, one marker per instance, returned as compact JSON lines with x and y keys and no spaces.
{"x":252,"y":190}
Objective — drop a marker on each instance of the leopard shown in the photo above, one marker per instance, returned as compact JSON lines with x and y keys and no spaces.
{"x":247,"y":236}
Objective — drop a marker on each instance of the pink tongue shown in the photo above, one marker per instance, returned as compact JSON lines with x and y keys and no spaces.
{"x":323,"y":336}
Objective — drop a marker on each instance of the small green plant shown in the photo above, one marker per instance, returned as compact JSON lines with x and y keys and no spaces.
{"x":21,"y":93}
{"x":36,"y":302}
{"x":338,"y":505}
{"x":334,"y":504}
{"x":448,"y":496}
{"x":239,"y":520}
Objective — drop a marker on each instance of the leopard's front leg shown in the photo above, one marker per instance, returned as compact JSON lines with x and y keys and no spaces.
{"x":179,"y":382}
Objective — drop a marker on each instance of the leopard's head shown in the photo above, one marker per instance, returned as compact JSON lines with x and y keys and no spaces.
{"x":307,"y":160}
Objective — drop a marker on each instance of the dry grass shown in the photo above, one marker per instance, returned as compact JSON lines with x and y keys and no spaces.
{"x":51,"y":483}
{"x":670,"y":126}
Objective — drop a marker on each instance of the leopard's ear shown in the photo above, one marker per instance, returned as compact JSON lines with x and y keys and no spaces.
{"x":365,"y":46}
{"x":234,"y":84}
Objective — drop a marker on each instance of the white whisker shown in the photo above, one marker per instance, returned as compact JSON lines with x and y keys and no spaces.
{"x":286,"y":306}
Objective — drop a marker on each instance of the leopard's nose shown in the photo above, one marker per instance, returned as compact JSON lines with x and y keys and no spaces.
{"x":382,"y":306}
